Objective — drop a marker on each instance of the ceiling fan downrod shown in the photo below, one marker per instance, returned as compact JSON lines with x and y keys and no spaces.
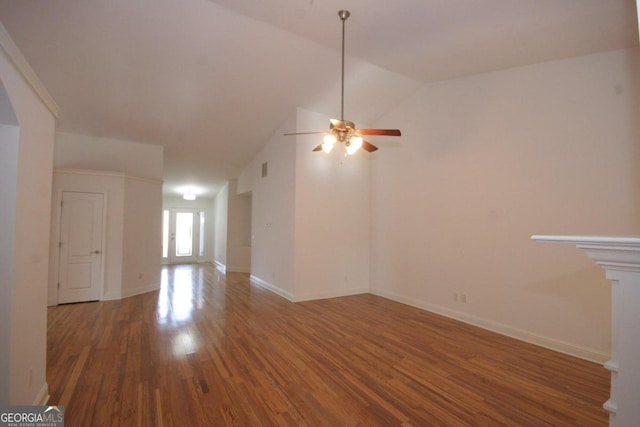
{"x":343,"y":14}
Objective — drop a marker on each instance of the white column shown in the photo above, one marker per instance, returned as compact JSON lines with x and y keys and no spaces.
{"x":620,"y":257}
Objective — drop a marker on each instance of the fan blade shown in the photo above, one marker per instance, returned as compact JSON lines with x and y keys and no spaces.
{"x":305,"y":133}
{"x":387,"y":132}
{"x":366,"y":145}
{"x":318,"y":148}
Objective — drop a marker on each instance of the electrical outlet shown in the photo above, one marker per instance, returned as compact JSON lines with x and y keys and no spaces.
{"x":460,"y":297}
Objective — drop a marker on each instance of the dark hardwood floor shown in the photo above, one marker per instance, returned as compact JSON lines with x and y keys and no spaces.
{"x":214,"y":350}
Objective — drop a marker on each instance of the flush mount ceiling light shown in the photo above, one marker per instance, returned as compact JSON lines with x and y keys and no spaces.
{"x":189,"y":195}
{"x":344,"y":131}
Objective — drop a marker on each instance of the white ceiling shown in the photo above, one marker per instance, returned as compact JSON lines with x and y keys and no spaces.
{"x":211,"y":80}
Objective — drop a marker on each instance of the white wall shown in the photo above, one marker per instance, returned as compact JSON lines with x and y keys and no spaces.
{"x":310,"y":215}
{"x":332,"y":216}
{"x":246,"y":181}
{"x":488,"y":160}
{"x":220,"y":209}
{"x":35,"y":113}
{"x":273,"y":211}
{"x":142,"y":242}
{"x":75,"y":151}
{"x":238,"y":229}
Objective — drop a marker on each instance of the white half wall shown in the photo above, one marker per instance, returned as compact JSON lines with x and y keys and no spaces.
{"x":486,"y":161}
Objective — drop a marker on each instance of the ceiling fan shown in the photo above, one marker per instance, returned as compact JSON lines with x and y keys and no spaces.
{"x":344,"y":131}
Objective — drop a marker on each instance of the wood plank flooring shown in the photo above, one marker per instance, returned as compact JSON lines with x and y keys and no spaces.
{"x":214,"y":350}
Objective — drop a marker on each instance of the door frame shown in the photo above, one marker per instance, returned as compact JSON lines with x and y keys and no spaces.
{"x":54,"y":275}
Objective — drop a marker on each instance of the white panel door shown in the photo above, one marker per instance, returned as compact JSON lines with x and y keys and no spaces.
{"x":80,"y":277}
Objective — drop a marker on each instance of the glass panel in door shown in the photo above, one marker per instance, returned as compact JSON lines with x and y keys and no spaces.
{"x":184,"y":234}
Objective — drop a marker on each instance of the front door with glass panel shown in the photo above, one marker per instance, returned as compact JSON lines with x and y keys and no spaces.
{"x":180,"y":236}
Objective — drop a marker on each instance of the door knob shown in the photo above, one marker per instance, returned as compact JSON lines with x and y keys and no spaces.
{"x":96,"y":252}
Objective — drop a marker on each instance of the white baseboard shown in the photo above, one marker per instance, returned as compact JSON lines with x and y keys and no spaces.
{"x":305,"y":297}
{"x":335,"y":294}
{"x":43,"y":395}
{"x":126,"y":293}
{"x":232,"y":269}
{"x":111,"y":296}
{"x":532,"y":338}
{"x":273,"y":288}
{"x":220,"y":266}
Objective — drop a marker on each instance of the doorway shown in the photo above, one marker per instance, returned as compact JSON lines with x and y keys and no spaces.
{"x":182,"y":235}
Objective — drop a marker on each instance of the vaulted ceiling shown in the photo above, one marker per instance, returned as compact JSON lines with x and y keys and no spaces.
{"x":211,"y":80}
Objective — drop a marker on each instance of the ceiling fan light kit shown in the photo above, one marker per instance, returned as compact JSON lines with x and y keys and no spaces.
{"x":342,"y":131}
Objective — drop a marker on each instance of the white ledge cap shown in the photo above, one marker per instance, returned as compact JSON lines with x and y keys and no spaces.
{"x":589,"y":240}
{"x":617,"y":253}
